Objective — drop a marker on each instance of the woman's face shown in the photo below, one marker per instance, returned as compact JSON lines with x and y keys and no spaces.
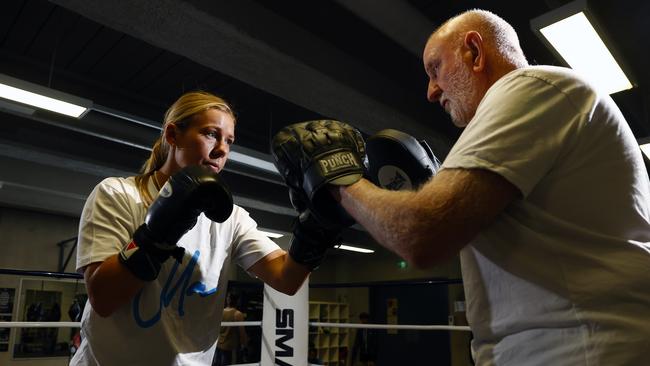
{"x":206,"y":140}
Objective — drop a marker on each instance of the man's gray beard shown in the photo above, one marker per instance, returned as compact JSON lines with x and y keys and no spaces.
{"x":462,"y":81}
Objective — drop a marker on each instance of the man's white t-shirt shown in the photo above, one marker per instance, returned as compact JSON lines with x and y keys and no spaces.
{"x":175,"y":319}
{"x":562,"y":277}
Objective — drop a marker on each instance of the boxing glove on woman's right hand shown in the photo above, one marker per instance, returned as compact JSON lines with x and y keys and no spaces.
{"x":187,"y":193}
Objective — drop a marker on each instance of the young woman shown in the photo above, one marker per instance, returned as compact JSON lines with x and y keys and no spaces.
{"x":155,"y":264}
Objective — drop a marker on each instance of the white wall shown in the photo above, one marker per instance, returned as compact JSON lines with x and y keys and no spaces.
{"x":28,"y":239}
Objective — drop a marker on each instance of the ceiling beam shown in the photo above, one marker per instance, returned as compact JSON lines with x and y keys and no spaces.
{"x":248,"y":42}
{"x":398,"y":20}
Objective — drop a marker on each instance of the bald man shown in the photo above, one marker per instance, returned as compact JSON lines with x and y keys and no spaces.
{"x":545,"y":196}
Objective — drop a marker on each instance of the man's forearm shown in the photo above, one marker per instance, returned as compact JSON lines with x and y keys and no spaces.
{"x":397,"y":220}
{"x":434,"y":223}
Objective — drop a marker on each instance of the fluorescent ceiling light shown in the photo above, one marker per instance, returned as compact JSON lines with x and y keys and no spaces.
{"x":252,"y":161}
{"x":355,"y":249}
{"x":646,"y":149}
{"x":573,"y":37}
{"x":40,"y":101}
{"x":38,"y":96}
{"x":26,"y":93}
{"x":271,"y":234}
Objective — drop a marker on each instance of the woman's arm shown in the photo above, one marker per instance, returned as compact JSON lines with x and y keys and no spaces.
{"x":110,"y":285}
{"x":279,"y":271}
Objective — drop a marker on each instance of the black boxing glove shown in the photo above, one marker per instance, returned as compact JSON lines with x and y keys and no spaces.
{"x":311,"y":155}
{"x":187,"y":193}
{"x":397,"y":161}
{"x":311,"y":241}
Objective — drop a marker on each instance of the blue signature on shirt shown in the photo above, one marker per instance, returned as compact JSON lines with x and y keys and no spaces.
{"x":168,"y":292}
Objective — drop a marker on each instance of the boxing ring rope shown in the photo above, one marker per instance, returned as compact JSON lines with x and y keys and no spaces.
{"x":391,"y":326}
{"x":76,"y":276}
{"x":34,"y":273}
{"x":78,"y":324}
{"x":40,"y":324}
{"x":258,"y":323}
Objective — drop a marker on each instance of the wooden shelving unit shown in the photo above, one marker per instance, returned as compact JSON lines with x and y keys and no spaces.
{"x":332,"y":344}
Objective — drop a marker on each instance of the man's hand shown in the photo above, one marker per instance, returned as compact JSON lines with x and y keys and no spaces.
{"x":397,"y":161}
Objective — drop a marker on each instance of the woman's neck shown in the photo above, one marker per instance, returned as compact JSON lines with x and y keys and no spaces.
{"x":159,"y":178}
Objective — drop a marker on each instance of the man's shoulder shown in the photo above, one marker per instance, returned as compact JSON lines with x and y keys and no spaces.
{"x":542,"y":71}
{"x":552,"y":75}
{"x":538,"y":84}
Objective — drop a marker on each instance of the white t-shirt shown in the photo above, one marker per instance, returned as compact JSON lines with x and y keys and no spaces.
{"x":175,"y":319}
{"x":562,"y":277}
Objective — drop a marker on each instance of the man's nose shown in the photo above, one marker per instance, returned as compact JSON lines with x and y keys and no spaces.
{"x":433,"y":92}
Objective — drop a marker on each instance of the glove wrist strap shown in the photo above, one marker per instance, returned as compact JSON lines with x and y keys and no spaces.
{"x":309,"y":244}
{"x":139,"y":262}
{"x":144,"y":258}
{"x":306,"y":254}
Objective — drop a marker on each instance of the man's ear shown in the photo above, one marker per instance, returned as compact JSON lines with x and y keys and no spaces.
{"x":474,"y":43}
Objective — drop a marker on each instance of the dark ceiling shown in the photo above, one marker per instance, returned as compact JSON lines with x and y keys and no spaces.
{"x":277,"y":62}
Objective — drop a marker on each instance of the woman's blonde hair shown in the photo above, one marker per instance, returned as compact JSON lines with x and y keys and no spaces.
{"x":180,"y":115}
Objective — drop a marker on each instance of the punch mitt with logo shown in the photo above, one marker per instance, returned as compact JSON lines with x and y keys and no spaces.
{"x":398,"y":161}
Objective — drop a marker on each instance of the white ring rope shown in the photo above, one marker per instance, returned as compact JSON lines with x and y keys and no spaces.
{"x":242,"y":324}
{"x":40,"y":324}
{"x":255,"y":323}
{"x":390,"y":326}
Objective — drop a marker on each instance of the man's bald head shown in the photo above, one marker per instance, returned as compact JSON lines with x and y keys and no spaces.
{"x":464,"y":57}
{"x":498,"y":35}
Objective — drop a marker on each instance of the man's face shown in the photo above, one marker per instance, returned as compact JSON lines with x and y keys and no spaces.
{"x":451,"y":82}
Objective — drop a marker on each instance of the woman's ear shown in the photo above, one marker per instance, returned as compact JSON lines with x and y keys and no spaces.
{"x":171,"y":133}
{"x":474,"y":42}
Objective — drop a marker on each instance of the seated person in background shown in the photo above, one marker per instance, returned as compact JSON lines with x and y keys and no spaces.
{"x":231,"y":339}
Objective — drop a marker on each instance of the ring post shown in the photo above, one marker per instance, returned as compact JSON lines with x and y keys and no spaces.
{"x":285,"y":327}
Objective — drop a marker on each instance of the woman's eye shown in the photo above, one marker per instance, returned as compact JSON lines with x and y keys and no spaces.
{"x":212,"y":134}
